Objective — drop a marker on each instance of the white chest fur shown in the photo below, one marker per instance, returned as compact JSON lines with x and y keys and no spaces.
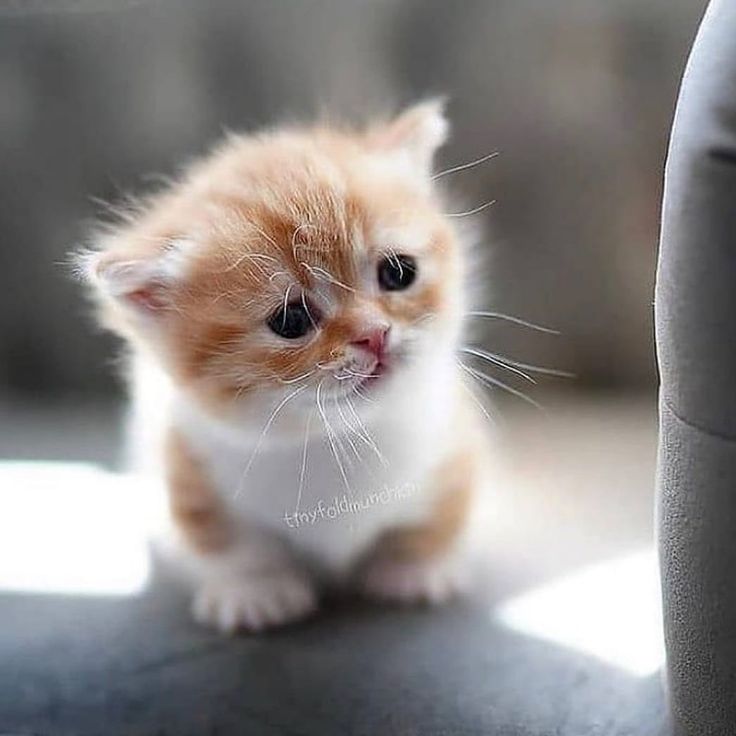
{"x":331,"y":497}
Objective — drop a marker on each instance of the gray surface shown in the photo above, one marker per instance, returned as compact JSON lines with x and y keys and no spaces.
{"x":696,"y":337}
{"x":139,"y":666}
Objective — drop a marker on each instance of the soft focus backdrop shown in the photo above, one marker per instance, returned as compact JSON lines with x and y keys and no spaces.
{"x":100,"y":96}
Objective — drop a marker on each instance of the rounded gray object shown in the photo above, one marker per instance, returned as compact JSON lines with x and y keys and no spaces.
{"x":695,"y":310}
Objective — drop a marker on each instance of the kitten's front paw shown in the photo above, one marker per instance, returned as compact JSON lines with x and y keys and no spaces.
{"x":414,"y":581}
{"x":254,"y":602}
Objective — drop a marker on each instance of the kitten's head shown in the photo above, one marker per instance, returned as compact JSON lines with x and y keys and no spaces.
{"x":311,"y":256}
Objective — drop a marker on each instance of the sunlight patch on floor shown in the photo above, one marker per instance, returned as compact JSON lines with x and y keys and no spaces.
{"x":74,"y":529}
{"x":610,"y":610}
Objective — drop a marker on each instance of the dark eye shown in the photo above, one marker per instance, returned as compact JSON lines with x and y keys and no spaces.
{"x":396,"y":272}
{"x":292,"y":320}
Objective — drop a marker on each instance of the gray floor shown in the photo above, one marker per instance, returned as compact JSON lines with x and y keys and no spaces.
{"x":576,"y":490}
{"x":141,"y":667}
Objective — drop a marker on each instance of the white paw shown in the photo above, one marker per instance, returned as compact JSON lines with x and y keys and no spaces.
{"x":254,"y":602}
{"x":423,"y":581}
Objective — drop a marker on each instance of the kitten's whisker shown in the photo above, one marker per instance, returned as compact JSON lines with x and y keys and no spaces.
{"x":322,"y":366}
{"x":468,"y":165}
{"x":358,"y":392}
{"x":349,"y":428}
{"x":224,"y":294}
{"x":330,"y":433}
{"x":533,"y":368}
{"x":500,"y":384}
{"x":297,"y":230}
{"x":296,"y":379}
{"x":392,"y":255}
{"x":321,"y":273}
{"x":285,"y":305}
{"x":275,"y":275}
{"x":338,"y":436}
{"x":515,"y":320}
{"x":303,"y":470}
{"x":306,"y":309}
{"x":477,"y":401}
{"x":496,"y":360}
{"x":356,"y":428}
{"x":264,"y":234}
{"x":365,"y":439}
{"x":361,"y":375}
{"x":474,"y":211}
{"x":365,"y":433}
{"x":262,"y":436}
{"x":252,"y":257}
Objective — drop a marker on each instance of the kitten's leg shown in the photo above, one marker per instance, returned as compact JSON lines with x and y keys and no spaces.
{"x":430,"y":561}
{"x":245,"y":579}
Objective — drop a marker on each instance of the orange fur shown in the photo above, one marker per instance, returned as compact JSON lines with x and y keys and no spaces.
{"x":195,"y":508}
{"x":454,"y":482}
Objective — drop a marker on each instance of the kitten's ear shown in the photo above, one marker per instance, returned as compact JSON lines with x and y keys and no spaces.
{"x":141,"y":282}
{"x":415,"y":134}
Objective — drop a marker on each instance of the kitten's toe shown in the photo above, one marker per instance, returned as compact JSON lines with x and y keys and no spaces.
{"x":254,"y":603}
{"x":415,"y":581}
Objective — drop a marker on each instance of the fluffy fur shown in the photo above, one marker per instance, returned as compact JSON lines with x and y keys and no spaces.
{"x":293,"y":463}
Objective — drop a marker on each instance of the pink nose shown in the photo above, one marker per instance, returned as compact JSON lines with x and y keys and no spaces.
{"x":374,"y":341}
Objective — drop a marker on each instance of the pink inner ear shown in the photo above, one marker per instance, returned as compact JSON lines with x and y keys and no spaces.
{"x":149,"y":297}
{"x":135,"y":283}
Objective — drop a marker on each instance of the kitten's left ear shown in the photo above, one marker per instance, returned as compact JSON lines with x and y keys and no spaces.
{"x":142,"y":283}
{"x":414,"y":135}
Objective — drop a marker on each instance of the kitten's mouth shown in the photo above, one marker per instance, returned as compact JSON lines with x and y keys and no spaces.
{"x":369,"y":379}
{"x":366,"y":378}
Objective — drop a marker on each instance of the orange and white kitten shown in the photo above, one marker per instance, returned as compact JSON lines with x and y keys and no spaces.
{"x":294,"y":305}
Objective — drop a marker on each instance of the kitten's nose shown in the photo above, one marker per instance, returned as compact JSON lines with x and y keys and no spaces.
{"x":374,"y":340}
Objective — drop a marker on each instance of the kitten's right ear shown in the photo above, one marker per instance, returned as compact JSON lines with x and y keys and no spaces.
{"x":141,"y":283}
{"x":414,"y":135}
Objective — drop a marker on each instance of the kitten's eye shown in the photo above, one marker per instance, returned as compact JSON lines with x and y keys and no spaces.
{"x":396,"y":272}
{"x":292,"y":321}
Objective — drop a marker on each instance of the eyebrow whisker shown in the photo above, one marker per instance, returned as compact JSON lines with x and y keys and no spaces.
{"x":323,"y":274}
{"x":306,"y":309}
{"x":468,"y":165}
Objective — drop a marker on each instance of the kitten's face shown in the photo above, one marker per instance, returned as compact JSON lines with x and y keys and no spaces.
{"x":306,"y":258}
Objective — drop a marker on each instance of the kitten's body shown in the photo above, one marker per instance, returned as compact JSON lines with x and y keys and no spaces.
{"x":260,"y":483}
{"x":328,"y":457}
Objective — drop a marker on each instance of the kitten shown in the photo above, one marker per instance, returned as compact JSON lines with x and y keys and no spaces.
{"x":294,"y":304}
